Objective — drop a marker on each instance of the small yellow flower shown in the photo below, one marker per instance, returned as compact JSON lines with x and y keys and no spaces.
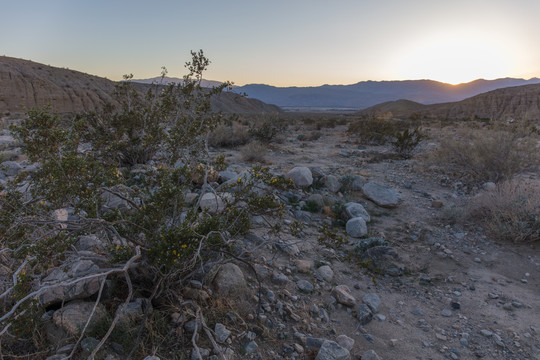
{"x":184,"y":246}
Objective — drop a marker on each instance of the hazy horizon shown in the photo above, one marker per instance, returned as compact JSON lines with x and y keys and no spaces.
{"x":282,"y":43}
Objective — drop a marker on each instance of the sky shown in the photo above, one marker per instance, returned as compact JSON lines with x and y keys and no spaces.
{"x":280,"y":42}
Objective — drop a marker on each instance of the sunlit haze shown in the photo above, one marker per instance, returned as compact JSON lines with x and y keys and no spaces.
{"x":281,"y":43}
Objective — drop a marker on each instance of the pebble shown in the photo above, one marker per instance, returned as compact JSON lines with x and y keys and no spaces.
{"x":418,"y":312}
{"x":486,"y":333}
{"x":369,"y":338}
{"x":251,"y":347}
{"x":446,"y":313}
{"x":304,"y":286}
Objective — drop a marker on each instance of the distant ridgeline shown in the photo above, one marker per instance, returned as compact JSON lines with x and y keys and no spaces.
{"x":27,"y":84}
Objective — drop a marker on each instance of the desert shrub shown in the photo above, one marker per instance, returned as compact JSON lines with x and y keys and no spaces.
{"x":267,"y":128}
{"x":403,"y":134}
{"x":406,"y":141}
{"x":511,"y":212}
{"x":255,"y":151}
{"x":229,"y":135}
{"x":487,"y":155}
{"x":312,"y":206}
{"x":143,"y":155}
{"x":312,"y":136}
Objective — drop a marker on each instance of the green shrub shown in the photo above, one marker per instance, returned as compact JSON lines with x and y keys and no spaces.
{"x":406,"y":141}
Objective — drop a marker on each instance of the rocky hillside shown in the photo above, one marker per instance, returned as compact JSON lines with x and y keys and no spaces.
{"x":519,"y":102}
{"x":27,"y":84}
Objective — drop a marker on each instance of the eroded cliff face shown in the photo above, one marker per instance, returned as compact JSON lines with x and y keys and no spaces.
{"x":26,"y":84}
{"x":521,"y":102}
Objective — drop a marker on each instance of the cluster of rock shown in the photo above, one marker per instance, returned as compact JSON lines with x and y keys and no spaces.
{"x":70,"y":291}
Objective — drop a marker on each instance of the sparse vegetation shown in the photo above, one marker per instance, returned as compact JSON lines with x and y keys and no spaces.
{"x":487,"y":155}
{"x":255,"y":151}
{"x":511,"y":212}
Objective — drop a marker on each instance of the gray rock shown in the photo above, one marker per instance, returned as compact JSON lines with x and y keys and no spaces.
{"x":10,"y":168}
{"x":212,"y":203}
{"x":227,"y":175}
{"x":222,"y":333}
{"x":364,"y":314}
{"x":229,"y":280}
{"x":134,"y":311}
{"x":354,"y":210}
{"x":373,"y":301}
{"x":280,"y":278}
{"x":363,"y":245}
{"x":345,"y":342}
{"x":356,"y":227}
{"x":332,"y":183}
{"x":70,"y":272}
{"x":330,"y":350}
{"x":111,"y":201}
{"x":205,"y":353}
{"x":72,"y":317}
{"x":370,"y":355}
{"x":251,"y":347}
{"x":381,"y":195}
{"x":90,"y":243}
{"x":342,"y":293}
{"x":301,"y":176}
{"x":314,"y":343}
{"x":89,"y":344}
{"x":446,"y":313}
{"x":383,"y":259}
{"x":304,"y":286}
{"x":418,"y":312}
{"x":289,"y":247}
{"x":326,"y":273}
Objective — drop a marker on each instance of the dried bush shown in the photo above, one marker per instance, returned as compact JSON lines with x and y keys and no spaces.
{"x":511,"y":212}
{"x":255,"y":151}
{"x":266,"y":128}
{"x":229,"y":135}
{"x":479,"y":157}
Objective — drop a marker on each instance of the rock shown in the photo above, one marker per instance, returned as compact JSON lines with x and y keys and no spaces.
{"x":354,"y":210}
{"x":353,"y":182}
{"x":251,"y":347}
{"x":331,"y":350}
{"x":280,"y":278}
{"x":370,"y":355}
{"x":363,"y":245}
{"x":77,"y":289}
{"x":446,"y":313}
{"x":212,"y":203}
{"x":301,"y":176}
{"x":326,"y":273}
{"x":364,"y":314}
{"x":489,"y":186}
{"x":91,"y":243}
{"x":111,"y":201}
{"x":373,"y":301}
{"x":356,"y":227}
{"x":383,"y":259}
{"x":345,"y":342}
{"x":304,"y":266}
{"x":134,"y":311}
{"x":332,"y":183}
{"x":72,"y":317}
{"x":304,"y":286}
{"x":152,"y":357}
{"x":342,"y":293}
{"x":10,"y":168}
{"x":486,"y":333}
{"x":89,"y":344}
{"x":437,"y":204}
{"x":205,"y":353}
{"x":229,"y":280}
{"x":222,"y":333}
{"x":289,"y":248}
{"x":381,"y":195}
{"x":314,"y":343}
{"x":226,"y":175}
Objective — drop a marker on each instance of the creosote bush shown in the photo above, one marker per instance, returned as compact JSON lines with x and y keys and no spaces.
{"x":487,"y":155}
{"x":122,"y":174}
{"x":511,"y":212}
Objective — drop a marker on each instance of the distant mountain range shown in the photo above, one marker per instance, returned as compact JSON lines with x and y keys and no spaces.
{"x":368,"y":93}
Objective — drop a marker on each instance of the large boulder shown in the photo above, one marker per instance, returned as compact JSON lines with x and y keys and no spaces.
{"x":69,"y":272}
{"x":10,"y":168}
{"x":229,"y":280}
{"x":381,"y":195}
{"x":301,"y":176}
{"x":353,"y":210}
{"x":73,"y":317}
{"x":356,"y":227}
{"x":332,"y":183}
{"x":212,"y":203}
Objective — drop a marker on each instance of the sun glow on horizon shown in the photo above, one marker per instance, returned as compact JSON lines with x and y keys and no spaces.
{"x":454,"y":58}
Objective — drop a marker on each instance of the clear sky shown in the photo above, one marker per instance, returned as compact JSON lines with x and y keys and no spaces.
{"x":280,"y":42}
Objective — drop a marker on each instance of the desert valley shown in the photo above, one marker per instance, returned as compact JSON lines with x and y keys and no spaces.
{"x":142,"y":221}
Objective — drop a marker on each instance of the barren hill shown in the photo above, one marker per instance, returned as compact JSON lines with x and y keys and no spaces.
{"x":27,"y":84}
{"x":518,"y":102}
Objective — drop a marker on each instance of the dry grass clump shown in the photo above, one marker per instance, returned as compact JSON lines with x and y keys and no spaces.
{"x":229,"y":135}
{"x":511,"y":212}
{"x":488,"y":155}
{"x":255,"y":151}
